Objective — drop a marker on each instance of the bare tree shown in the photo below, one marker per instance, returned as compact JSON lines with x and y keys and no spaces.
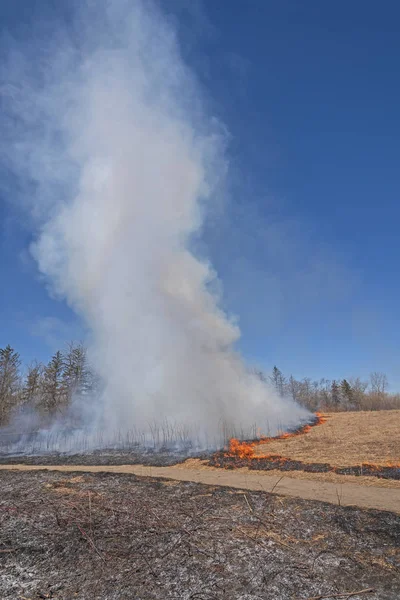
{"x":293,"y":388}
{"x":306,"y":395}
{"x":359,"y":389}
{"x":379,"y":383}
{"x":324,"y":392}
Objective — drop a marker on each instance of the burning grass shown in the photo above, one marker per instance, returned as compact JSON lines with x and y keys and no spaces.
{"x":371,"y":440}
{"x":248,"y":450}
{"x":120,"y":536}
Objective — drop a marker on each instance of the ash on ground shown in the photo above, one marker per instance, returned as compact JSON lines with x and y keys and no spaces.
{"x":80,"y":536}
{"x":281,"y":463}
{"x":154,"y":458}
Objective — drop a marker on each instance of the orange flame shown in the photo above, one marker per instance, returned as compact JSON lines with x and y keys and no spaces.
{"x":246,"y":450}
{"x":240,"y":449}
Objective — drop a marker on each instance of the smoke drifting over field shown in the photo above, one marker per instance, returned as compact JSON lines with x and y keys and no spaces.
{"x":118,"y":161}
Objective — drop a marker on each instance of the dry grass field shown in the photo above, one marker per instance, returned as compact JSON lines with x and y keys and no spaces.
{"x":346,"y":439}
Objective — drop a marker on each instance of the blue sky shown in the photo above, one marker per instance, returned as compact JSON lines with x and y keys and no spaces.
{"x":308,"y":248}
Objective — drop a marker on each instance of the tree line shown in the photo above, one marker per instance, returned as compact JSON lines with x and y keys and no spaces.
{"x":43,"y":390}
{"x":335,"y":395}
{"x":47,"y":390}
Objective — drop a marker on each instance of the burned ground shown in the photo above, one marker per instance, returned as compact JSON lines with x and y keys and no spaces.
{"x":119,"y":536}
{"x":276,"y":462}
{"x":142,"y":456}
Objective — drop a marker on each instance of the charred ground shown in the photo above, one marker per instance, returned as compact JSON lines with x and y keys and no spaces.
{"x":276,"y":462}
{"x":342,"y":439}
{"x":120,"y":536}
{"x":137,"y":455}
{"x":142,"y":456}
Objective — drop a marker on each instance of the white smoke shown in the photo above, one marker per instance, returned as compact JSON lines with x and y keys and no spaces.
{"x":120,"y":160}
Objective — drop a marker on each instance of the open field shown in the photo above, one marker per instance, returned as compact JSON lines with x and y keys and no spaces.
{"x":363,"y":441}
{"x":346,"y":439}
{"x":96,"y":536}
{"x":344,"y":444}
{"x":190,"y":530}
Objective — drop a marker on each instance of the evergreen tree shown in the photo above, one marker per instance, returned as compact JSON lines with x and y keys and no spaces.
{"x":335,"y":394}
{"x":278,"y":380}
{"x":260,"y":375}
{"x":9,"y":382}
{"x":77,"y":376}
{"x":53,"y":390}
{"x":31,"y":393}
{"x":346,"y":392}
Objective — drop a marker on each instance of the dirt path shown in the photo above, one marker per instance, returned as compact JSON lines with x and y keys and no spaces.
{"x":347,"y":494}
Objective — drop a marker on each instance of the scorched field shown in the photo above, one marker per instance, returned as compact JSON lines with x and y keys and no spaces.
{"x":259,"y":520}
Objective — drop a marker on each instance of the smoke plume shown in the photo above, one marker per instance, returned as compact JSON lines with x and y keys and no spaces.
{"x":118,"y":159}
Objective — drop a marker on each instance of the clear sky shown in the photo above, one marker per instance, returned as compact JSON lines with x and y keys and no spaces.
{"x":308,"y":249}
